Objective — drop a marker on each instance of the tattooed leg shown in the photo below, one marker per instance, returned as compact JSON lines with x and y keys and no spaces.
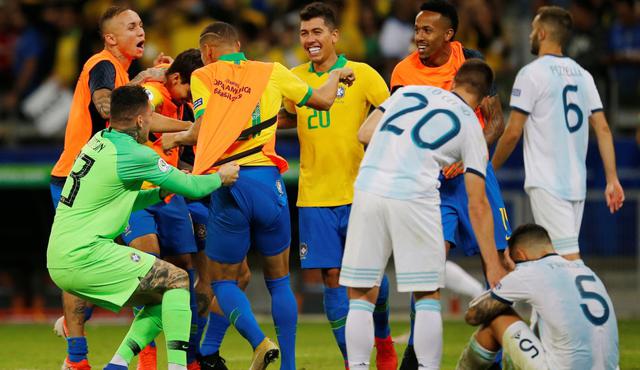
{"x":163,"y":276}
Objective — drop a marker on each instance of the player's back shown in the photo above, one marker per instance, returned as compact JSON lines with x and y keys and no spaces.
{"x":559,"y":96}
{"x":577,"y":322}
{"x":423,"y":129}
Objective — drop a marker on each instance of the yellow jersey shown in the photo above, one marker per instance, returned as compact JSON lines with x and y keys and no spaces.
{"x":330,"y":152}
{"x":282,"y":82}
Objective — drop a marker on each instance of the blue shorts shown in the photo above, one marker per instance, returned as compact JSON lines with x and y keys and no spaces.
{"x":323,"y":231}
{"x":199,"y":215}
{"x":252,"y":212}
{"x":456,"y":223}
{"x":56,"y":193}
{"x":170,"y":221}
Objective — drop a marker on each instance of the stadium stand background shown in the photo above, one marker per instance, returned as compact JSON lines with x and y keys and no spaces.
{"x":44,"y":43}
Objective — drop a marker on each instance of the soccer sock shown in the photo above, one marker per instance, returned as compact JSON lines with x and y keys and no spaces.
{"x":145,"y":327}
{"x":524,"y":348}
{"x":412,"y":317}
{"x":359,"y":333}
{"x":336,"y":307}
{"x":428,"y":334}
{"x":137,"y":310}
{"x":176,"y":320}
{"x":193,"y":333}
{"x":284,"y":310}
{"x":459,"y":281}
{"x":237,"y":309}
{"x":381,"y":312}
{"x":77,"y":348}
{"x":213,"y":334}
{"x":475,"y":357}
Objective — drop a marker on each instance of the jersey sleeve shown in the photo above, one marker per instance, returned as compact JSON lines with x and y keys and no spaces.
{"x":511,"y":288}
{"x":290,"y":85}
{"x":155,"y":97}
{"x":289,"y":106}
{"x":376,"y":90}
{"x":524,"y":92}
{"x":141,"y":163}
{"x":102,"y":76}
{"x":474,"y":150}
{"x":200,"y":92}
{"x":593,"y":97}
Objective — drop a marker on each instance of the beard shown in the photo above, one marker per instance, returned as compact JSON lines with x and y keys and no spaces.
{"x":535,"y":46}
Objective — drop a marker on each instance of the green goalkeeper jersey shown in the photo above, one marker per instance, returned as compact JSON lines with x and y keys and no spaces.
{"x":103,"y":189}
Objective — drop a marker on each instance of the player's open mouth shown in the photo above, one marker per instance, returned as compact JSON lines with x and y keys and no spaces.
{"x":421,"y":47}
{"x":140,"y":45}
{"x":314,"y":50}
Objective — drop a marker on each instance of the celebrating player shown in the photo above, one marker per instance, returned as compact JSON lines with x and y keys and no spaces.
{"x":103,"y":188}
{"x":325,"y":188}
{"x":124,"y":37}
{"x":435,"y":63}
{"x":578,"y":328}
{"x":396,"y":205}
{"x":245,"y":97}
{"x":551,"y":99}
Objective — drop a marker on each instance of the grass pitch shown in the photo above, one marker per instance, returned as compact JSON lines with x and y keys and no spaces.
{"x":36,"y":347}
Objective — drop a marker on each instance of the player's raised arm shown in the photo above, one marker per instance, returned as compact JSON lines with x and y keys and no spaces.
{"x":323,"y":97}
{"x":509,"y":138}
{"x":492,"y":112}
{"x":614,"y":194}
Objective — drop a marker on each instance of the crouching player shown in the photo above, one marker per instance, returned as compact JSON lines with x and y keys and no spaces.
{"x":576,"y":321}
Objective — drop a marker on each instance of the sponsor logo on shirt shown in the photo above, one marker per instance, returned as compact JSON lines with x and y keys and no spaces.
{"x":197,"y":103}
{"x":163,"y":166}
{"x":516,"y":92}
{"x":304,"y":249}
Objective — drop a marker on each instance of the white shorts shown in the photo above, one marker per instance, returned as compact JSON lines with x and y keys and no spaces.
{"x":411,"y":229}
{"x":562,"y":219}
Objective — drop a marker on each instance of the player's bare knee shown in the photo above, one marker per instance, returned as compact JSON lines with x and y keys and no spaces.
{"x":331,"y":277}
{"x":244,"y":277}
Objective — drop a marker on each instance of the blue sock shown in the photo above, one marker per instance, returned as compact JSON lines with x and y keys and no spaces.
{"x":115,"y":367}
{"x":413,"y":320}
{"x":284,"y":310}
{"x":381,"y":313}
{"x":135,"y":310}
{"x":202,"y":323}
{"x":77,"y":348}
{"x":193,"y":333}
{"x":214,"y":333}
{"x":336,"y":307}
{"x":237,"y":309}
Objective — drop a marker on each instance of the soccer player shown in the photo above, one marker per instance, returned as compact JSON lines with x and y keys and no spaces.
{"x":102,"y":190}
{"x":124,"y":37}
{"x":165,"y":229}
{"x":396,"y":206}
{"x":245,"y":97}
{"x":435,"y":63}
{"x":329,"y":138}
{"x":578,"y":328}
{"x":551,"y":99}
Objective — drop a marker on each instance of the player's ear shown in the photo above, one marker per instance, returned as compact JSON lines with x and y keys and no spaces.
{"x":109,"y":39}
{"x":448,"y":36}
{"x":238,"y":45}
{"x":174,"y":79}
{"x":335,"y":36}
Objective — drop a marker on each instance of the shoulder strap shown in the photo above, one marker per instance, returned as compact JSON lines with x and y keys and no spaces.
{"x":245,"y":133}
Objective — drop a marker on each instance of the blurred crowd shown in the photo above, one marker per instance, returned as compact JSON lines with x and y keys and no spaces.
{"x":45,"y":42}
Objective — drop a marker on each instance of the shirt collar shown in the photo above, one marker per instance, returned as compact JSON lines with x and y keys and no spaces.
{"x":233,"y":57}
{"x":341,"y":62}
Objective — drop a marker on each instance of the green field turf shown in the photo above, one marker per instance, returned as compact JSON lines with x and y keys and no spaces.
{"x":35,"y":347}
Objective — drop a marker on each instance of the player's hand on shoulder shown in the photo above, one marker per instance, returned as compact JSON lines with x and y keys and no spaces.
{"x":154,"y":74}
{"x":229,"y":173}
{"x":453,"y":170}
{"x":495,"y":273}
{"x":162,"y":59}
{"x":345,"y":75}
{"x":614,"y":194}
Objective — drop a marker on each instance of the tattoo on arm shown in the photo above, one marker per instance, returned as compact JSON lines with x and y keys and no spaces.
{"x":483,"y":309}
{"x":494,"y":126}
{"x":102,"y":101}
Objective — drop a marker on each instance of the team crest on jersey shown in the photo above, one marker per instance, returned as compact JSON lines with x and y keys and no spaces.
{"x":163,"y":166}
{"x":135,"y":257}
{"x":340,"y":92}
{"x":304,"y":249}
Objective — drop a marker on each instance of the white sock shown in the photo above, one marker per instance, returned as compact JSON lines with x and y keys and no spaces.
{"x":427,"y":334}
{"x":176,"y":367}
{"x":359,"y":333}
{"x":475,"y":357}
{"x":118,"y":360}
{"x":461,"y":282}
{"x":522,"y":348}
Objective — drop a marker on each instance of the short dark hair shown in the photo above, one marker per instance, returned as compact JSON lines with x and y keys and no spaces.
{"x":110,"y":13}
{"x":220,"y":33}
{"x":476,"y":75}
{"x":445,"y":9}
{"x":528,"y":233}
{"x":185,"y":63}
{"x":127,"y":102}
{"x":320,"y":10}
{"x":559,"y":19}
